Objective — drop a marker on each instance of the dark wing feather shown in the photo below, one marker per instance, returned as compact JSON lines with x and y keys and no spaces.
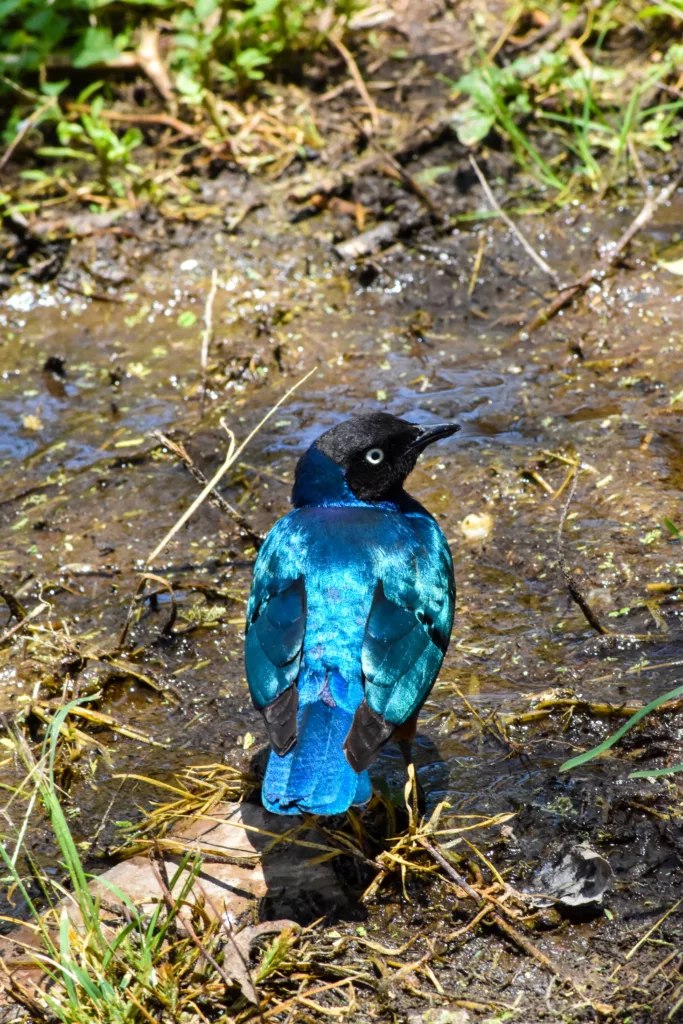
{"x":273,"y":646}
{"x":402,"y":652}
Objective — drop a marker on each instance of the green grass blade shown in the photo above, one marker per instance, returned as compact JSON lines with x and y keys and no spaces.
{"x":65,"y":955}
{"x":656,"y":773}
{"x":589,"y":755}
{"x":35,"y":913}
{"x":673,"y":529}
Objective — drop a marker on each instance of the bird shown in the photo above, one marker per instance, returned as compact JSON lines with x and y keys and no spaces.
{"x":349,"y":615}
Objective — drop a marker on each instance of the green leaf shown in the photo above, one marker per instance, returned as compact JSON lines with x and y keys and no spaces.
{"x":54,"y":88}
{"x":429,"y":175}
{"x":476,"y":85}
{"x":96,"y":46}
{"x":662,"y":10}
{"x":251,"y":59}
{"x":65,"y":954}
{"x":65,"y":153}
{"x":187,"y":319}
{"x":673,"y":529}
{"x":86,"y":93}
{"x":189,"y":87}
{"x":203,"y":8}
{"x":575,"y":762}
{"x":473,"y":125}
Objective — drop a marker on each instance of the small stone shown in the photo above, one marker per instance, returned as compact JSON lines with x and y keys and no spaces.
{"x":440,"y":1015}
{"x":32,"y":422}
{"x":477,"y":526}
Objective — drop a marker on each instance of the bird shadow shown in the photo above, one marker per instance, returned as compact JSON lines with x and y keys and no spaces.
{"x":301,"y":886}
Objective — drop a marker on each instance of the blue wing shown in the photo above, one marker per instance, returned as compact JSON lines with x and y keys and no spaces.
{"x":406,"y":637}
{"x":276,"y":626}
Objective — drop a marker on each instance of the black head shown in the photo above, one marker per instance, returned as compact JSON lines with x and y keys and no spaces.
{"x":377,"y":452}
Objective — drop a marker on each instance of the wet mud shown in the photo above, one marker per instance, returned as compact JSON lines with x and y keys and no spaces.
{"x":87,"y":493}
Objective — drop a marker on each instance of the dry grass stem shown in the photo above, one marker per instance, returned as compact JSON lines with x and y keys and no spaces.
{"x":495,"y":205}
{"x":357,"y":79}
{"x":207,"y":337}
{"x":234,"y":452}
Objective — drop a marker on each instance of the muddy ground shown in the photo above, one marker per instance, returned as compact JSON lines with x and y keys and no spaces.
{"x":87,"y":493}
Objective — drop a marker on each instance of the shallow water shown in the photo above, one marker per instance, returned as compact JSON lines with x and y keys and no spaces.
{"x":86,"y":493}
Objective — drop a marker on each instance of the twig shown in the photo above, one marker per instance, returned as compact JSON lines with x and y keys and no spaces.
{"x":187,"y":925}
{"x":570,"y":583}
{"x":151,"y":63}
{"x":25,"y":126}
{"x":232,"y":223}
{"x":207,"y":336}
{"x":495,"y":205}
{"x":600,"y":270}
{"x":214,"y":497}
{"x":358,"y":80}
{"x":130,"y":614}
{"x":478,"y":898}
{"x":33,"y":614}
{"x":168,"y":628}
{"x":483,"y":239}
{"x":532,"y":38}
{"x":164,"y":119}
{"x":403,"y":174}
{"x":505,"y":34}
{"x":97,"y":296}
{"x":233,"y":454}
{"x":652,"y":930}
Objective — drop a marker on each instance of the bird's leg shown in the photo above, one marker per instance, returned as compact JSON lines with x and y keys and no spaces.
{"x":406,"y":747}
{"x":404,"y":737}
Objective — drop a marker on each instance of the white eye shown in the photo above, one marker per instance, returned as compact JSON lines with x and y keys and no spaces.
{"x":375,"y":456}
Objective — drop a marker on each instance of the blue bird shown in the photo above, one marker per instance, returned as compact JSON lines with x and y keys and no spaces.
{"x":349,"y":616}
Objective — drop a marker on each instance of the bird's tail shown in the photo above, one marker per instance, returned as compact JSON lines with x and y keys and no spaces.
{"x":315,"y":775}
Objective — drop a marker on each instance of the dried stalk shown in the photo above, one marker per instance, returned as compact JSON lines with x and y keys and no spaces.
{"x":216,"y":499}
{"x":207,"y":337}
{"x":358,"y":80}
{"x":234,"y":453}
{"x":495,"y":205}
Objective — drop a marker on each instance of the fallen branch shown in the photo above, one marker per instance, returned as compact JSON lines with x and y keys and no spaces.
{"x":495,"y":205}
{"x":598,"y":272}
{"x":216,"y":499}
{"x":29,"y":617}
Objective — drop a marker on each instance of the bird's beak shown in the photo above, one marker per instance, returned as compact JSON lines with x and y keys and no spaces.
{"x":428,"y":435}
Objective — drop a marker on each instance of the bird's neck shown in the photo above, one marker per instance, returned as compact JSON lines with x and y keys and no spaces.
{"x":321,"y":482}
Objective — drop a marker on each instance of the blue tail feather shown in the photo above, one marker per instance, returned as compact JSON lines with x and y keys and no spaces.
{"x":315,"y":775}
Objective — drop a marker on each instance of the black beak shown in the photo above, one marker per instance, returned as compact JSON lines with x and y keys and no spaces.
{"x":428,"y":435}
